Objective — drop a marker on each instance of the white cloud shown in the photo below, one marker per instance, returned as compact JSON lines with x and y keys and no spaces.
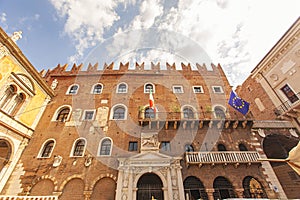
{"x":3,"y":17}
{"x":236,"y":34}
{"x":149,"y":10}
{"x":86,"y":21}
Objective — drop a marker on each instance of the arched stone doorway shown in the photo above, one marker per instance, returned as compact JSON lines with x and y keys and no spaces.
{"x":253,"y":188}
{"x":223,"y":188}
{"x":194,"y":189}
{"x":5,"y":153}
{"x":150,"y":185}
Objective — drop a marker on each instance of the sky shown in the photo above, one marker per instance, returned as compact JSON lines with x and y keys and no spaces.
{"x":235,"y":33}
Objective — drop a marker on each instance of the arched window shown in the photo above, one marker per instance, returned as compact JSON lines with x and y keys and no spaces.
{"x":73,"y":89}
{"x":47,"y":149}
{"x":122,"y":88}
{"x":17,"y":103}
{"x":7,"y":96}
{"x":63,"y":115}
{"x":119,"y":112}
{"x":188,"y":113}
{"x":223,"y":188}
{"x":242,"y":147}
{"x":97,"y":89}
{"x":105,"y":147}
{"x":219,"y":112}
{"x":79,"y":147}
{"x":149,"y":113}
{"x":221,"y":147}
{"x":189,"y":148}
{"x":5,"y":153}
{"x":253,"y":188}
{"x":194,"y":188}
{"x":149,"y":87}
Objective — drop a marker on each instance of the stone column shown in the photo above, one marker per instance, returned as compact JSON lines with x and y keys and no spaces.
{"x":169,"y":186}
{"x":119,"y":184}
{"x":130,"y":184}
{"x":239,"y":192}
{"x":210,"y":193}
{"x":87,"y":195}
{"x":180,"y":181}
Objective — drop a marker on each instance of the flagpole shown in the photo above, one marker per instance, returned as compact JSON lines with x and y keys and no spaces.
{"x":272,"y":160}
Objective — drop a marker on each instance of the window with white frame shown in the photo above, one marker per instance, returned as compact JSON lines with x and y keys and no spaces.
{"x":198,"y":89}
{"x":12,"y":100}
{"x":177,"y":89}
{"x":105,"y":147}
{"x":63,"y":114}
{"x":118,"y":112}
{"x":122,"y":88}
{"x":188,"y":113}
{"x":78,"y":148}
{"x":149,"y":87}
{"x":73,"y":89}
{"x":47,"y":149}
{"x":217,"y":89}
{"x":219,"y":112}
{"x":97,"y":88}
{"x":165,"y":146}
{"x":88,"y":115}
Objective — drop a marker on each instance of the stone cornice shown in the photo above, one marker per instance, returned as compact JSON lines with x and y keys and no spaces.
{"x":279,"y":50}
{"x":17,"y":53}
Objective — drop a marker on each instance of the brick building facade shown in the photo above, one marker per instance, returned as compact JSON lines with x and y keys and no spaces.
{"x":99,"y":139}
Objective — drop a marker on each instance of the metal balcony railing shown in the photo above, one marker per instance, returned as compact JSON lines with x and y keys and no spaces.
{"x":224,"y":157}
{"x":287,"y":105}
{"x":9,"y":197}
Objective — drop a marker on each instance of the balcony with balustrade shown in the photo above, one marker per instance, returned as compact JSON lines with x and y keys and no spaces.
{"x":224,"y":157}
{"x":192,"y":120}
{"x":9,"y":197}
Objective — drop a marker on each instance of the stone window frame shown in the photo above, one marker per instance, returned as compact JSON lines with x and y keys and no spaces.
{"x":121,"y":92}
{"x":44,"y":145}
{"x":69,"y":89}
{"x":75,"y":145}
{"x":214,"y":87}
{"x":93,"y":111}
{"x":191,"y":108}
{"x":93,"y":88}
{"x":175,"y":91}
{"x":58,"y":110}
{"x":100,"y":147}
{"x":198,"y":86}
{"x":146,"y":90}
{"x":112,"y":111}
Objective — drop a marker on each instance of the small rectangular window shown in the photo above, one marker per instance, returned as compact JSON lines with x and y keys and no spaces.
{"x":88,"y":115}
{"x":133,"y":146}
{"x":165,"y":146}
{"x":198,"y":89}
{"x":217,"y":89}
{"x":177,"y":89}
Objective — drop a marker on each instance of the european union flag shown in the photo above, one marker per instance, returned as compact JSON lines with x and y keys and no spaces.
{"x":238,"y":103}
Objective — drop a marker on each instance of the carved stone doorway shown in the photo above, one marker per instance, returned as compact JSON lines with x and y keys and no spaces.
{"x":150,"y":186}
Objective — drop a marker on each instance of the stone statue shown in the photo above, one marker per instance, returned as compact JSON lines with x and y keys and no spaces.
{"x":16,"y":36}
{"x":150,"y":141}
{"x":54,"y":84}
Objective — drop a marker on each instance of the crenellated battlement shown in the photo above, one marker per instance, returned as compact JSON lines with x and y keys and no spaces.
{"x":144,"y":67}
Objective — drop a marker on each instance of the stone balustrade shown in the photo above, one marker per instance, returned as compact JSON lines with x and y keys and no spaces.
{"x":225,"y":157}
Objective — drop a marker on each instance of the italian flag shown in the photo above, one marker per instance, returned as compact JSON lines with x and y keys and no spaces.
{"x":151,"y":101}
